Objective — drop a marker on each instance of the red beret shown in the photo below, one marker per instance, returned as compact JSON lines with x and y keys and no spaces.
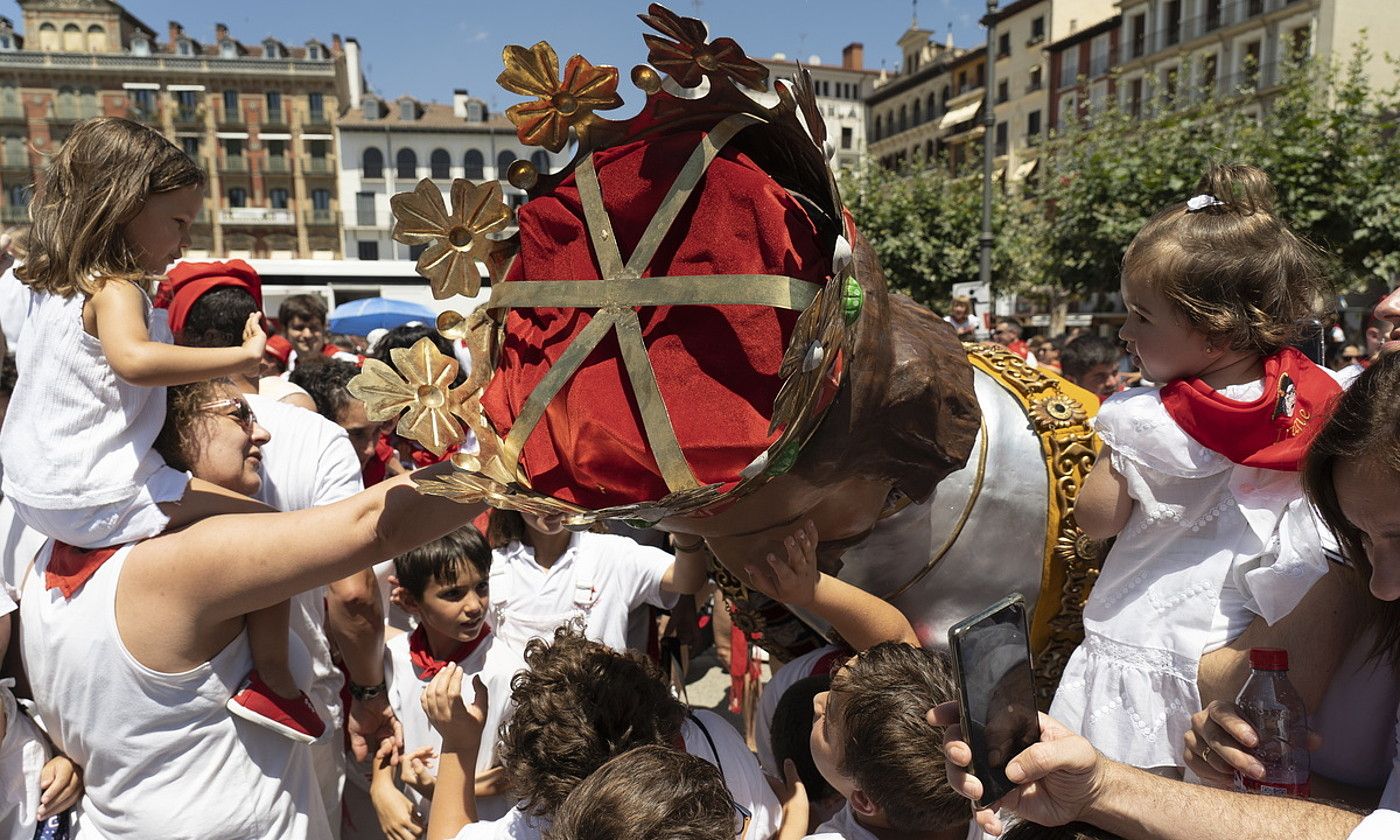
{"x":279,"y":348}
{"x":187,"y":281}
{"x":716,"y":366}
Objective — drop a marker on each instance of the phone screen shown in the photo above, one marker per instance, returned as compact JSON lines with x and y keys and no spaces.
{"x":991,"y":653}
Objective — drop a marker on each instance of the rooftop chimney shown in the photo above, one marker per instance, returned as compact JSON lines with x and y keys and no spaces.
{"x":459,"y":103}
{"x":853,"y":56}
{"x":337,"y":46}
{"x":220,"y":32}
{"x":948,"y":42}
{"x":176,"y":30}
{"x":354,"y":80}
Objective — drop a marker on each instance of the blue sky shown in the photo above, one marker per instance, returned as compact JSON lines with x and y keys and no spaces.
{"x":427,"y":48}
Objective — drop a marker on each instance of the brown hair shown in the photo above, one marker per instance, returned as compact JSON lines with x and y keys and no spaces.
{"x":648,"y":793}
{"x":179,"y":439}
{"x":504,"y":527}
{"x":1362,"y":427}
{"x":305,"y":307}
{"x":879,"y":700}
{"x":95,"y":185}
{"x":1234,"y":271}
{"x":1027,"y":830}
{"x":578,"y":704}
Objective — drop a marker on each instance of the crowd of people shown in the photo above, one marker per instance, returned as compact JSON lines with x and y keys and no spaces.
{"x":239,"y":617}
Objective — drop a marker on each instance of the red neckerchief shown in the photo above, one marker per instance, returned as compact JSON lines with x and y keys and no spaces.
{"x":69,"y":568}
{"x":376,"y":469}
{"x":1273,"y":431}
{"x":425,"y":665}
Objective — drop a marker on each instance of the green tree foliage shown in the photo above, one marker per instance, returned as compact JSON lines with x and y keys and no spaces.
{"x":1326,"y":136}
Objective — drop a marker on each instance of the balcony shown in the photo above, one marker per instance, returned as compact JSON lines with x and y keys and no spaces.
{"x":233,"y":163}
{"x":317,"y":118}
{"x":1033,"y":86}
{"x":318,"y":166}
{"x":14,"y":215}
{"x":186,"y":115}
{"x":230,"y":118}
{"x":261,"y":216}
{"x":277,"y":166}
{"x":12,"y":113}
{"x":15,"y":163}
{"x":321,"y":217}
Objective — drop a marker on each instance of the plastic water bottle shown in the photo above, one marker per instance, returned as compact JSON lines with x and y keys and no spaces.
{"x":55,"y":827}
{"x":1273,"y":707}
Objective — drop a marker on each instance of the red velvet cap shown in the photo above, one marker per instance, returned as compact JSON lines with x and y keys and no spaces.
{"x":716,"y":366}
{"x":187,"y":281}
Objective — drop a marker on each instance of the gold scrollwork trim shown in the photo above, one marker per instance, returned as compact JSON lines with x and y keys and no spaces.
{"x":1059,"y":412}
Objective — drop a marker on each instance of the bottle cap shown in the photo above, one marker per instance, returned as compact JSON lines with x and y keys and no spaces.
{"x":1268,"y":659}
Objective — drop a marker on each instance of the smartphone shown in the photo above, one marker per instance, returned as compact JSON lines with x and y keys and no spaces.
{"x":996,"y":687}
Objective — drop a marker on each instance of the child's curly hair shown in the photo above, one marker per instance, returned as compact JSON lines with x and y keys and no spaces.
{"x":1235,"y":271}
{"x":578,"y":704}
{"x":90,"y":190}
{"x":648,"y":793}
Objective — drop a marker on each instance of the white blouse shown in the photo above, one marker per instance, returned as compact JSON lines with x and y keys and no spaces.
{"x":1200,"y":525}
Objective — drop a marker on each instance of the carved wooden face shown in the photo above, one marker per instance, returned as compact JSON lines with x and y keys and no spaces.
{"x":906,"y":416}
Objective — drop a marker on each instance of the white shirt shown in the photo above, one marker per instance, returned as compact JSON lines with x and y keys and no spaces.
{"x":1197,"y":521}
{"x":23,"y":753}
{"x":515,"y":825}
{"x":625,"y":575}
{"x":405,"y":691}
{"x":843,"y":826}
{"x":19,"y":544}
{"x":793,"y":672}
{"x":1380,"y":825}
{"x":308,"y":462}
{"x":66,"y":392}
{"x":162,"y":756}
{"x":14,"y":305}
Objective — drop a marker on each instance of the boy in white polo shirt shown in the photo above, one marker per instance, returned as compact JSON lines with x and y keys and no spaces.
{"x":443,"y":585}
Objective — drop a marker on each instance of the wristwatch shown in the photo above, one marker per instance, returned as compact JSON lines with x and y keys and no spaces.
{"x":366,"y":692}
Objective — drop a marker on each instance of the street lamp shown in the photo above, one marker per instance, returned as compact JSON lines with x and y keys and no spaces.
{"x":989,"y":121}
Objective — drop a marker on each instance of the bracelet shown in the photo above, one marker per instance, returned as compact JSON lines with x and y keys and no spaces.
{"x":366,"y":692}
{"x":695,"y":546}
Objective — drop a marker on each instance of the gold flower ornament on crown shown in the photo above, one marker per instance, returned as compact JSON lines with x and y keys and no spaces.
{"x":709,"y":84}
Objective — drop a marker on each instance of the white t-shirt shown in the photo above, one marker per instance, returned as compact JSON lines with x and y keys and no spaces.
{"x":843,"y":826}
{"x":19,"y":544}
{"x":405,"y":691}
{"x":308,"y":462}
{"x":515,"y":825}
{"x":23,"y":753}
{"x":725,"y":748}
{"x":625,"y":574}
{"x":14,"y":305}
{"x":1380,"y":825}
{"x":793,"y":672}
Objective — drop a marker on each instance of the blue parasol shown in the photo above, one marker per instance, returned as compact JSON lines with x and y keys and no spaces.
{"x":358,"y":317}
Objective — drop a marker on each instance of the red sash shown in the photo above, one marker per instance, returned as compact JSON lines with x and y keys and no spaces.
{"x":1272,"y":432}
{"x":69,"y":568}
{"x":426,"y":665}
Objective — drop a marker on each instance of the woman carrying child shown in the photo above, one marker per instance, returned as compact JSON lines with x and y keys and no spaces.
{"x":1198,"y":478}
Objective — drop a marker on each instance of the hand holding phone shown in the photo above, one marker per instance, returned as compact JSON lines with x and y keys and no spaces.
{"x":996,"y":687}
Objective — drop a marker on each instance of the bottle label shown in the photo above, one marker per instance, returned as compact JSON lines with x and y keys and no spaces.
{"x":1298,"y":790}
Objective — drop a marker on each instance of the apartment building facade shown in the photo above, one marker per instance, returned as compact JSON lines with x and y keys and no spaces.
{"x":841,"y":92}
{"x":258,"y":117}
{"x":1175,"y":48}
{"x":906,"y":110}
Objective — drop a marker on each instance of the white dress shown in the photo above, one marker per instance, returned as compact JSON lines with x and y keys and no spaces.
{"x":1198,"y":521}
{"x":76,"y":442}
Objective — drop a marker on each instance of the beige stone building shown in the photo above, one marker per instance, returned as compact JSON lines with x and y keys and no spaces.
{"x":841,"y":91}
{"x":257,"y":115}
{"x":1174,"y":48}
{"x":907,"y":110}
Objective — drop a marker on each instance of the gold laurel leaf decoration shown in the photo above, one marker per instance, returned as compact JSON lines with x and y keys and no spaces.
{"x":418,"y":386}
{"x":686,"y":54}
{"x":560,"y":104}
{"x":456,"y":240}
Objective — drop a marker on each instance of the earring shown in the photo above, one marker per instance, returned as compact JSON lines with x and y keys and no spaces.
{"x":1210,"y":348}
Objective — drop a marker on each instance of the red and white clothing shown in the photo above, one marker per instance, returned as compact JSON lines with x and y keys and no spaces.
{"x":819,"y":661}
{"x":105,"y":491}
{"x":598,"y":580}
{"x":408,"y":668}
{"x":1209,"y":544}
{"x":707,"y":736}
{"x":330,"y":351}
{"x":161,"y":755}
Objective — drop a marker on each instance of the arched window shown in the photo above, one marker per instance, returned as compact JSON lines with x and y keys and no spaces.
{"x":475,"y":165}
{"x":932,"y":105}
{"x":237,"y":197}
{"x":72,"y":38}
{"x":96,"y":39}
{"x":372,"y":163}
{"x":406,"y":162}
{"x":903,"y":118}
{"x":66,"y":104}
{"x":441,"y":163}
{"x":140,"y":45}
{"x":48,"y":37}
{"x":503,"y":162}
{"x":541,"y":161}
{"x":917,"y":118}
{"x":277,"y":197}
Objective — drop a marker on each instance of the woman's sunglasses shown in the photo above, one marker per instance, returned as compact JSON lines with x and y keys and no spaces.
{"x":242,"y":413}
